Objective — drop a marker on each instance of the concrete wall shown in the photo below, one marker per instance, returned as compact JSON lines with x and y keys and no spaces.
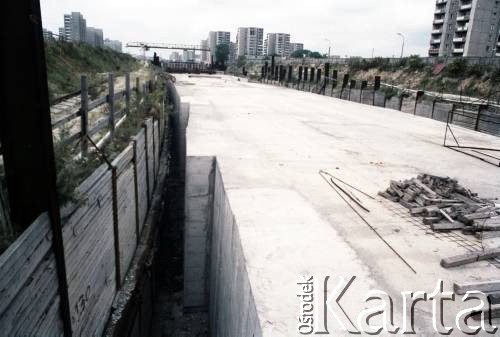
{"x":198,"y":219}
{"x":232,"y":307}
{"x":215,"y":275}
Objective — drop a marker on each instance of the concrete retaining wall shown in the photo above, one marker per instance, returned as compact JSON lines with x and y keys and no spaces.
{"x":215,"y":275}
{"x":232,"y":307}
{"x":198,"y":218}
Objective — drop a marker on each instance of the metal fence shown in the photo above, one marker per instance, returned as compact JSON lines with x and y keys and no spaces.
{"x":475,"y":116}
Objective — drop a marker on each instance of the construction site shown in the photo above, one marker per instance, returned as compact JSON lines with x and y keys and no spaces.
{"x":173,"y":199}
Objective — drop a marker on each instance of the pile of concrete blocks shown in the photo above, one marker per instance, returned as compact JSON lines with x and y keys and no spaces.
{"x":445,"y":205}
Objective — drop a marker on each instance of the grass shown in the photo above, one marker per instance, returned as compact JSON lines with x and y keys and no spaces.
{"x":67,"y":61}
{"x":72,"y":170}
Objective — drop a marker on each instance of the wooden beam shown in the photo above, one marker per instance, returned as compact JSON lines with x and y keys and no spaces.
{"x":460,"y":260}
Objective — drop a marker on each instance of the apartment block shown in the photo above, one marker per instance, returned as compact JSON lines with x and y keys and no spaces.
{"x":94,"y":37}
{"x":250,"y":41}
{"x":277,"y":44}
{"x":113,"y":44}
{"x":467,"y":28}
{"x":75,"y":27}
{"x":204,"y":53}
{"x":47,"y":35}
{"x":296,"y":47}
{"x":215,"y":39}
{"x":175,"y":57}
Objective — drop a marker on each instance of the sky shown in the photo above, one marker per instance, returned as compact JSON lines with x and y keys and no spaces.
{"x":353,"y":27}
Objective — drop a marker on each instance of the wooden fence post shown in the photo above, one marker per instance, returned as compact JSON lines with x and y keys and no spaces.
{"x":84,"y":115}
{"x":401,"y":99}
{"x":111,"y":103}
{"x":478,"y":118}
{"x":146,"y":158}
{"x":136,"y":193}
{"x":116,"y":232}
{"x":127,"y":93}
{"x":137,"y":93}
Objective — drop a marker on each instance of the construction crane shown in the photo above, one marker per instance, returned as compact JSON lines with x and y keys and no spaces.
{"x":145,"y":46}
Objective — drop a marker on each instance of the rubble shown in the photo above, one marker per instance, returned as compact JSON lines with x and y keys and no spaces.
{"x":445,"y":205}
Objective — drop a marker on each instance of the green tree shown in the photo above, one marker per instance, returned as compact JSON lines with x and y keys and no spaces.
{"x":316,"y":55}
{"x":241,"y":61}
{"x":301,"y":53}
{"x":222,"y":53}
{"x":415,"y":63}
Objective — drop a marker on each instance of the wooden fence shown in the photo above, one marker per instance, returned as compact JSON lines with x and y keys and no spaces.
{"x":100,"y":236}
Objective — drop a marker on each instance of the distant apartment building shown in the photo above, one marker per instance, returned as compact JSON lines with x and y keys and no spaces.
{"x":466,"y":28}
{"x":175,"y":57}
{"x":75,"y":27}
{"x":232,"y":52}
{"x":296,"y":47}
{"x":188,"y":56}
{"x":250,"y":41}
{"x":94,"y":37}
{"x":62,"y":35}
{"x":47,"y":35}
{"x":215,"y":39}
{"x":277,"y":44}
{"x":113,"y":44}
{"x":204,"y":53}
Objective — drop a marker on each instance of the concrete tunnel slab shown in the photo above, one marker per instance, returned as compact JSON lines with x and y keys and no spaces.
{"x":269,"y":144}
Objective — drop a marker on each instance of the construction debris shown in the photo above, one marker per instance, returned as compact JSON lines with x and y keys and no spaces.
{"x":485,"y":287}
{"x":446,"y":206}
{"x":460,"y":260}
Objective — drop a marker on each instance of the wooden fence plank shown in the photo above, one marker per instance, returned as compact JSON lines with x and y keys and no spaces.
{"x":126,"y":218}
{"x":23,"y":256}
{"x":28,"y":283}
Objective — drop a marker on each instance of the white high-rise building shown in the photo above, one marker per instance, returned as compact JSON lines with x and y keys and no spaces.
{"x":215,"y":39}
{"x":75,"y":27}
{"x":175,"y":56}
{"x":94,"y":37}
{"x":113,"y":44}
{"x":204,"y":53}
{"x":296,"y":47}
{"x":250,"y":41}
{"x":277,"y":44}
{"x":188,"y":56}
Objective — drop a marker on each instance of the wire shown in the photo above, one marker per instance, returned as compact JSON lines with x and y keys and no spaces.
{"x":369,"y":225}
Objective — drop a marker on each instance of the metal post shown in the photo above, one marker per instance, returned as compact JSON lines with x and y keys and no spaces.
{"x":84,"y":115}
{"x":26,"y":135}
{"x":452,"y":113}
{"x":127,"y":93}
{"x":433,"y":108}
{"x":111,"y":103}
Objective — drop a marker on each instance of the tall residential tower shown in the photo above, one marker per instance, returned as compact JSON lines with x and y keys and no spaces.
{"x":215,"y":39}
{"x":250,"y":41}
{"x":466,"y":28}
{"x":277,"y":44}
{"x":75,"y":27}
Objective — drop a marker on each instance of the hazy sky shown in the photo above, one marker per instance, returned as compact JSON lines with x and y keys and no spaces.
{"x":355,"y":27}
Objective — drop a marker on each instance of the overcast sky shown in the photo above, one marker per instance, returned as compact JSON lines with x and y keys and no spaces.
{"x":354,"y":27}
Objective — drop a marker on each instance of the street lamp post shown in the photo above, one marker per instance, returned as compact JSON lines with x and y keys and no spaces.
{"x":403,"y":45}
{"x":329,"y":47}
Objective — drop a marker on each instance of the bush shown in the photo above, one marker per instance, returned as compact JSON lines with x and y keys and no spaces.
{"x":456,"y":69}
{"x":495,"y":75}
{"x":415,"y":63}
